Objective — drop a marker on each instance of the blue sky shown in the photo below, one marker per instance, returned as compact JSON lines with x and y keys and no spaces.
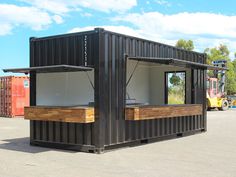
{"x":207,"y":22}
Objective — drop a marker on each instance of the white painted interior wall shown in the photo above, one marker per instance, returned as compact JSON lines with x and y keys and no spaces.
{"x":64,"y":89}
{"x":138,"y":87}
{"x":73,"y":88}
{"x":147,"y":84}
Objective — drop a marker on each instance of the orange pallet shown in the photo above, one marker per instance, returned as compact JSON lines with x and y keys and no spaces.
{"x":14,"y":95}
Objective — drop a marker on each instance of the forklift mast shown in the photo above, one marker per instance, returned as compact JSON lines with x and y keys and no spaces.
{"x":220,"y":74}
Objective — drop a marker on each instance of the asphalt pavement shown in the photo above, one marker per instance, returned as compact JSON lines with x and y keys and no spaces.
{"x":210,"y":154}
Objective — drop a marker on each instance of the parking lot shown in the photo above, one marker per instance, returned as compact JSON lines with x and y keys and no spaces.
{"x":210,"y":154}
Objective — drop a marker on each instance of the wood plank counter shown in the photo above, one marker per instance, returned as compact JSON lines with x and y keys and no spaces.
{"x":146,"y":112}
{"x":61,"y":114}
{"x":86,"y":114}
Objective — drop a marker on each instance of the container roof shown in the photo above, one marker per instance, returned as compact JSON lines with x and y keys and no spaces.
{"x":49,"y":69}
{"x":177,"y":62}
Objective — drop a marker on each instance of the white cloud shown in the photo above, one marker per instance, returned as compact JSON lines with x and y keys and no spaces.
{"x":5,"y":28}
{"x":86,"y":14}
{"x":13,"y":15}
{"x":57,"y":18}
{"x":202,"y":43}
{"x":163,"y":2}
{"x":53,"y":6}
{"x":118,"y":29}
{"x":64,"y":6}
{"x":127,"y":31}
{"x":183,"y":23}
{"x":205,"y":29}
{"x":39,"y":14}
{"x":108,"y":5}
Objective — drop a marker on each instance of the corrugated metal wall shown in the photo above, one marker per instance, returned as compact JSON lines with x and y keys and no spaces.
{"x":73,"y":49}
{"x":60,"y":132}
{"x":105,"y":51}
{"x":117,"y":130}
{"x":77,"y":49}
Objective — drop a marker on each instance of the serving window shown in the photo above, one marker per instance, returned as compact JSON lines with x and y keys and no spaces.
{"x":155,"y":90}
{"x":71,"y":89}
{"x":157,"y":84}
{"x":64,"y":93}
{"x":64,"y":96}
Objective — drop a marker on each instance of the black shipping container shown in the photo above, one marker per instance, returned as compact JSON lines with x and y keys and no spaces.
{"x":107,"y":54}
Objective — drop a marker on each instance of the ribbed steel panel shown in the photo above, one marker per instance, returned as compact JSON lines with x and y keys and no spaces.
{"x":105,"y":51}
{"x":118,"y":130}
{"x":60,"y":132}
{"x":79,"y":49}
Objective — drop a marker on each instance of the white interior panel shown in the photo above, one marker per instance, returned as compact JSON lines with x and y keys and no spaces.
{"x":64,"y":89}
{"x":148,"y":82}
{"x":138,"y":87}
{"x":147,"y":85}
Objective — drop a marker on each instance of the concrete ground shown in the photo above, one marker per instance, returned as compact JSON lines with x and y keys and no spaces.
{"x":210,"y":154}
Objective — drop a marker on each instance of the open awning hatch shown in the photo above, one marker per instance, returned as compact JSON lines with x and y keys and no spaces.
{"x":53,"y":69}
{"x":177,"y":62}
{"x":49,"y":69}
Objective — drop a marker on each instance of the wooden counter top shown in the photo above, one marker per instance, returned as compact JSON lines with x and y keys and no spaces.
{"x":146,"y":112}
{"x":85,"y":114}
{"x":74,"y":114}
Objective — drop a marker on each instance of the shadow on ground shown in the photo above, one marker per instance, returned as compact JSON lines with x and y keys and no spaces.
{"x":22,"y":145}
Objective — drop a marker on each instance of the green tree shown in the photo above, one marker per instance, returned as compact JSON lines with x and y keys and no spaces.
{"x":185,"y":44}
{"x":222,"y":53}
{"x":216,"y":53}
{"x":234,"y":63}
{"x":230,"y":78}
{"x":175,"y":80}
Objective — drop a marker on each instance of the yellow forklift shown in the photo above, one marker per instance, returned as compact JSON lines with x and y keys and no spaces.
{"x":216,"y":95}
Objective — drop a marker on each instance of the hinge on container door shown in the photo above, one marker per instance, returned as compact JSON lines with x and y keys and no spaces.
{"x":85,"y":51}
